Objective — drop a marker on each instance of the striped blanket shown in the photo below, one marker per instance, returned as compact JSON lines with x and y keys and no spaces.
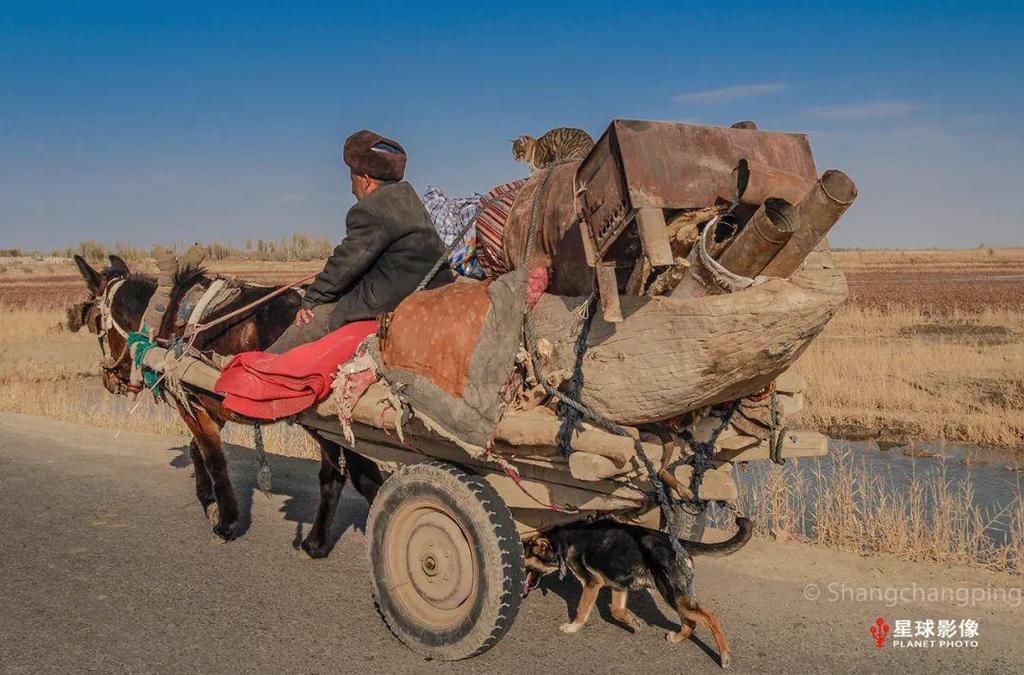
{"x":490,"y":226}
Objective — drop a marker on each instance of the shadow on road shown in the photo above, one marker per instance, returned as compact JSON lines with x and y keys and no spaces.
{"x":642,"y":604}
{"x":294,"y":478}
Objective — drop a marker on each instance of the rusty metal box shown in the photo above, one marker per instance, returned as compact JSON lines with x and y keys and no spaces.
{"x":639,"y":169}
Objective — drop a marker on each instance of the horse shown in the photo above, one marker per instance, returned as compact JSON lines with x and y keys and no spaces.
{"x":116,"y":304}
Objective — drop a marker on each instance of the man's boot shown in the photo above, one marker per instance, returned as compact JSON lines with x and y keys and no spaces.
{"x":193,"y":258}
{"x":167,"y":266}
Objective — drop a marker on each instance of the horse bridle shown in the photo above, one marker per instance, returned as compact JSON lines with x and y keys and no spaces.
{"x":105,"y":304}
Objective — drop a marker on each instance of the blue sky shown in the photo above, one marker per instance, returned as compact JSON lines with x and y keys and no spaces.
{"x":152,"y":122}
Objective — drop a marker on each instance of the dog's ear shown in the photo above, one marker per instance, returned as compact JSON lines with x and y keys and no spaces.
{"x":93,"y":279}
{"x":118,"y":266}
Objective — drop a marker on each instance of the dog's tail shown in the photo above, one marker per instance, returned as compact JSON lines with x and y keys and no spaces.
{"x":744,"y":529}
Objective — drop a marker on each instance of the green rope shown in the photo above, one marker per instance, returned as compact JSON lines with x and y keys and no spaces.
{"x":138,"y":345}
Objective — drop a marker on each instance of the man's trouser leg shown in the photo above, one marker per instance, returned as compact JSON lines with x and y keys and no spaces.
{"x":307,"y":332}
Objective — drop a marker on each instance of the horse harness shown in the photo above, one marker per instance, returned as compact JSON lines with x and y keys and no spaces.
{"x":105,"y":304}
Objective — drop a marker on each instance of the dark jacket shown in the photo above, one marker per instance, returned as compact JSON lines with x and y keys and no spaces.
{"x":390,"y":244}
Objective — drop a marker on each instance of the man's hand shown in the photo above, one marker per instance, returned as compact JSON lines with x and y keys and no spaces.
{"x":304,"y":316}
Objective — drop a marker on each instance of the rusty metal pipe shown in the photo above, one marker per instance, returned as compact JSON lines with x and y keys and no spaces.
{"x":697,"y":280}
{"x":757,"y":183}
{"x":771,"y":226}
{"x":817,"y":212}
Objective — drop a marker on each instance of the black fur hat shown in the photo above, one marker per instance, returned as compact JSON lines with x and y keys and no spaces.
{"x":370,"y":154}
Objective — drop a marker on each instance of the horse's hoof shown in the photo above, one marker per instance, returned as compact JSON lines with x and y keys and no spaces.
{"x":226,"y":531}
{"x":212,"y":512}
{"x":314,"y":551}
{"x":726,"y":660}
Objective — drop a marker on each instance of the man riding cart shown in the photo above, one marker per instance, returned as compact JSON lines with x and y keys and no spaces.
{"x":390,"y":245}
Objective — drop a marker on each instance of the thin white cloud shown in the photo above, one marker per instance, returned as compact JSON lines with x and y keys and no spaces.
{"x":862,"y":111}
{"x":726,"y":94}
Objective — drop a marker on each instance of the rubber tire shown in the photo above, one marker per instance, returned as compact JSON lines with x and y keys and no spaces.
{"x":487,"y":523}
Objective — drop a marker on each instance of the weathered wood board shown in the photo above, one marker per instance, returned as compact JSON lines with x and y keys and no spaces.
{"x":670,"y":355}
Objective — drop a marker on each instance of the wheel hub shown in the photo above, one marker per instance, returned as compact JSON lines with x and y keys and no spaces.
{"x":438,"y":559}
{"x":433,"y":562}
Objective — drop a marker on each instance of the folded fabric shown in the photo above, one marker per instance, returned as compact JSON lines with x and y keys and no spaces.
{"x":451,"y":215}
{"x":272,"y":386}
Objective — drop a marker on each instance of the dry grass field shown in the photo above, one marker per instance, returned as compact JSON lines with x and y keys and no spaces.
{"x":854,"y":507}
{"x":929,"y":347}
{"x":47,"y":370}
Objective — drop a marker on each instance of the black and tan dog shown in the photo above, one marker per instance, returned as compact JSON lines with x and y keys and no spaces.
{"x":630,"y":558}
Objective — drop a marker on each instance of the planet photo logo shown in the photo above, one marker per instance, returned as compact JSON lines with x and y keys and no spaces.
{"x":926,"y":633}
{"x":879,"y":631}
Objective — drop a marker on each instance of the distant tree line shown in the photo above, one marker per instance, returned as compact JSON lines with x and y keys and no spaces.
{"x":294,"y":248}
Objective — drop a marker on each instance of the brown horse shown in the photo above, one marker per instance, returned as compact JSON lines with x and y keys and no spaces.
{"x":118,"y":299}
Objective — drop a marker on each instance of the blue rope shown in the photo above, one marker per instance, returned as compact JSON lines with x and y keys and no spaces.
{"x":142,"y":344}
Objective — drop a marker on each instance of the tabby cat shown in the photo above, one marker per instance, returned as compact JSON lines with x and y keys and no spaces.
{"x":558,"y":145}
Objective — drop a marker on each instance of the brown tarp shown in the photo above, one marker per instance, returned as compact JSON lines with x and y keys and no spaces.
{"x":448,"y":353}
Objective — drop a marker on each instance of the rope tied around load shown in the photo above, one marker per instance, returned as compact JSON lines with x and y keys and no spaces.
{"x":700,"y":459}
{"x":662,"y":496}
{"x":778,"y":431}
{"x":572,"y":419}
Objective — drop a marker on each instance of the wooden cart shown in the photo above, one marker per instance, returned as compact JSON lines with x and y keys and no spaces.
{"x":445,"y":529}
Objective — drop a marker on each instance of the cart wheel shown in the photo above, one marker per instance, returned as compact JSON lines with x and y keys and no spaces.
{"x":446,"y":560}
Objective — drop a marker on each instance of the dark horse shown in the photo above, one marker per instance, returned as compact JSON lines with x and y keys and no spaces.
{"x":118,"y":299}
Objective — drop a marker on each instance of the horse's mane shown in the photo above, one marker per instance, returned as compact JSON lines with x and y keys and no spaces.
{"x":140,"y":278}
{"x":134,"y":294}
{"x":283,"y":306}
{"x":187,"y":278}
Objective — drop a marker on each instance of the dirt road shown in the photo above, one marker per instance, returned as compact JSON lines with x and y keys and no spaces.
{"x":107,"y":564}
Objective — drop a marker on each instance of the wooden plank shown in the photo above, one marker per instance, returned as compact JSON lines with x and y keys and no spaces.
{"x":795,"y":444}
{"x":537,"y":428}
{"x":790,"y":382}
{"x":589,"y":252}
{"x":650,"y":222}
{"x":532,"y":521}
{"x":585,"y":466}
{"x":715,"y":484}
{"x":544,"y":483}
{"x":608,"y":286}
{"x":641,"y":270}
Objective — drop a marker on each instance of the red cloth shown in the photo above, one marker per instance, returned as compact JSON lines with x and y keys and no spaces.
{"x":536,"y":283}
{"x":271,"y":386}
